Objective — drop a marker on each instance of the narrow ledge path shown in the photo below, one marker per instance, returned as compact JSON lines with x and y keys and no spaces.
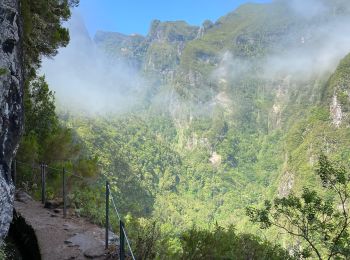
{"x":62,"y":238}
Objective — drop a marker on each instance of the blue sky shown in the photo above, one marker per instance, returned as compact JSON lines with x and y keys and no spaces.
{"x":135,"y":16}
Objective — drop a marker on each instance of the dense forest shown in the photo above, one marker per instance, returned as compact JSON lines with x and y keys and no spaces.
{"x":238,"y":146}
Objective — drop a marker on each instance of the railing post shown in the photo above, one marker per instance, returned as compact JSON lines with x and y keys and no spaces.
{"x":44,"y":170}
{"x":107,"y":212}
{"x":42,"y":183}
{"x":64,"y":192}
{"x":122,"y":241}
{"x":33,"y":173}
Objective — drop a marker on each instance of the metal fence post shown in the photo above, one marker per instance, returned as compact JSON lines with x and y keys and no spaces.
{"x":42,"y":183}
{"x":64,"y":192}
{"x":122,"y":241}
{"x":33,"y":173}
{"x":107,"y":212}
{"x":44,"y":171}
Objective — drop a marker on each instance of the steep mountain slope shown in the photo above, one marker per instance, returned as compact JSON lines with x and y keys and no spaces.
{"x":238,"y":112}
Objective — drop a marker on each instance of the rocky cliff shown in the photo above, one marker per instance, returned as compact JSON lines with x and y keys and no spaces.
{"x":11,"y":111}
{"x":157,"y":55}
{"x":265,"y":68}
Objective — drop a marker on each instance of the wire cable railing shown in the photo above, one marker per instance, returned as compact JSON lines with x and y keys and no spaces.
{"x":108,"y":194}
{"x":122,"y":227}
{"x":115,"y":208}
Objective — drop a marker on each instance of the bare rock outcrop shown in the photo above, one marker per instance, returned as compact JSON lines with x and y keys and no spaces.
{"x":336,"y":112}
{"x":286,"y":184}
{"x":11,"y":105}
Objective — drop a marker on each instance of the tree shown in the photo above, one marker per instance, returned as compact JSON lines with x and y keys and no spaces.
{"x":44,"y":138}
{"x":43,"y":32}
{"x":223,"y":243}
{"x":321,"y":221}
{"x":40,"y":116}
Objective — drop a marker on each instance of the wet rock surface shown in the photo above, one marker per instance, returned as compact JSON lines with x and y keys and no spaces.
{"x":11,"y":111}
{"x":59,"y":238}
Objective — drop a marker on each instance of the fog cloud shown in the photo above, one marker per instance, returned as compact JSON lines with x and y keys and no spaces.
{"x":311,"y":48}
{"x":308,"y":8}
{"x":317,"y":50}
{"x":86,"y":79}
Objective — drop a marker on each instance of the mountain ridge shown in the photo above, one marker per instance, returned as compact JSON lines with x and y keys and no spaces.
{"x":237,"y":112}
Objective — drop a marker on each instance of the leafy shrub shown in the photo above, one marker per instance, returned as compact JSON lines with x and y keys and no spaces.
{"x":224,"y":243}
{"x":89,"y":202}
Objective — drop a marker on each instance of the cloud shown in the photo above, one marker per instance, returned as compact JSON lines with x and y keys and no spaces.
{"x":308,"y":8}
{"x":317,"y":50}
{"x":313,"y":47}
{"x":86,"y":79}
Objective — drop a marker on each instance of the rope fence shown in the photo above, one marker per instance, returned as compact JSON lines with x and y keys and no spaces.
{"x":108,"y":195}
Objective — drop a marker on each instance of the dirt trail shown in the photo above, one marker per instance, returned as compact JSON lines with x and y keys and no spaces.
{"x":59,"y":238}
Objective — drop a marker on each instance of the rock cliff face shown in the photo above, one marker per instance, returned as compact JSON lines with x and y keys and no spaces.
{"x":158,"y":53}
{"x":11,"y":110}
{"x":129,"y":48}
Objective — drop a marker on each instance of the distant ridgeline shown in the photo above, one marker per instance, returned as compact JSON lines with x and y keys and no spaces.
{"x":238,"y":111}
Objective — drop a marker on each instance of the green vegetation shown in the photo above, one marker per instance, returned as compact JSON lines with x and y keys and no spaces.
{"x":195,"y":243}
{"x":45,"y":139}
{"x":259,"y":138}
{"x":173,"y":171}
{"x":338,"y":86}
{"x":2,"y":253}
{"x":321,"y":221}
{"x":43,"y":31}
{"x":226,"y":244}
{"x":146,"y":167}
{"x":3,"y":71}
{"x":237,"y":139}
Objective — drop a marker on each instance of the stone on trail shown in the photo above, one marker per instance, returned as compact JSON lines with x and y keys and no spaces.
{"x":65,"y":238}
